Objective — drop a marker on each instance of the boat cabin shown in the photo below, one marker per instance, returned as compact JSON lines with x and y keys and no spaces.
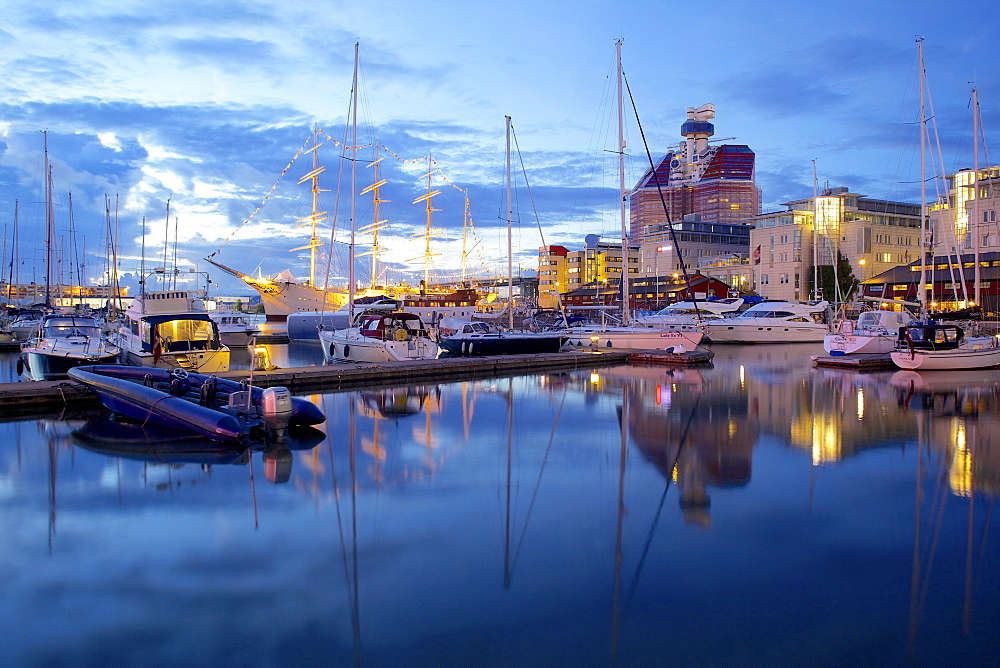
{"x":391,"y":326}
{"x":930,"y":337}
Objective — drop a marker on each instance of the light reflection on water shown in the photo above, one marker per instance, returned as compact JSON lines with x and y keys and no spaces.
{"x":760,"y":511}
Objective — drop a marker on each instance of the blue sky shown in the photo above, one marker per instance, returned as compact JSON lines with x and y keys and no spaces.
{"x":205,"y":103}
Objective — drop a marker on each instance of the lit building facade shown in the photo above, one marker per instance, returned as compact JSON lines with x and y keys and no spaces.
{"x":873,"y":235}
{"x":561,"y":270}
{"x":715,"y":183}
{"x":94,"y":296}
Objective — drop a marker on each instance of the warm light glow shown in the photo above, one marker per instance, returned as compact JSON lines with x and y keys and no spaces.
{"x":960,"y":473}
{"x":743,"y":375}
{"x":861,"y":404}
{"x":595,"y":378}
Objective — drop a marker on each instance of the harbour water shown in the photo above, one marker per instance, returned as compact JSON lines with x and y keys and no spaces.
{"x":761,"y":511}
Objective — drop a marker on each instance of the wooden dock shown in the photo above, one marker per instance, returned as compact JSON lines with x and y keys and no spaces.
{"x":64,"y":398}
{"x":868,"y":362}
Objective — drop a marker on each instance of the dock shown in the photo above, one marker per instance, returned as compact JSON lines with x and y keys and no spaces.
{"x":67,"y":398}
{"x":686,"y":358}
{"x":864,"y":362}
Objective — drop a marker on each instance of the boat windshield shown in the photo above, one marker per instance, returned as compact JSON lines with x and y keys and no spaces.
{"x":64,"y":327}
{"x":183,"y":335}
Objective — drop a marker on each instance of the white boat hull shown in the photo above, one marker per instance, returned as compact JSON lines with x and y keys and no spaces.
{"x":859,"y":344}
{"x":765,"y":332}
{"x":210,"y":361}
{"x":348,"y":345}
{"x":963,"y":357}
{"x":629,"y":338}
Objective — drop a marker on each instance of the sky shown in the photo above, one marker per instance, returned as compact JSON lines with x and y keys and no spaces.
{"x":205,"y":104}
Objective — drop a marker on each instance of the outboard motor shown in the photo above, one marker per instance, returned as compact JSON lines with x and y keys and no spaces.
{"x":276,"y":405}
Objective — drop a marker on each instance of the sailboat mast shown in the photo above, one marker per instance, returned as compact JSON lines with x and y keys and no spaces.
{"x":621,"y":187}
{"x":49,"y":221}
{"x":465,"y":232}
{"x":975,"y":191}
{"x":354,"y":180}
{"x":510,"y":250}
{"x":427,"y":237}
{"x":922,"y":292}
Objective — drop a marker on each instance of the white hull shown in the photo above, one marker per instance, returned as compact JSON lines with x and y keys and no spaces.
{"x":282,"y":299}
{"x":765,"y":330}
{"x":348,"y":345}
{"x":963,"y":357}
{"x":629,"y":338}
{"x":859,"y":344}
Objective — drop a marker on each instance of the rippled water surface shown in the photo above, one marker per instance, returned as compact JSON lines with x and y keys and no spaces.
{"x":760,"y":511}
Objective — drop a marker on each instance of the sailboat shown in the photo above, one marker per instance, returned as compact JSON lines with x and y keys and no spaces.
{"x":377,"y":336}
{"x":479,"y":338}
{"x":929,"y":344}
{"x":60,"y":341}
{"x":627,"y":335}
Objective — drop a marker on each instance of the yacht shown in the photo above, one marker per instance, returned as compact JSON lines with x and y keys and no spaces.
{"x":235,"y":328}
{"x":773,"y":322}
{"x":169,"y":329}
{"x":64,"y":341}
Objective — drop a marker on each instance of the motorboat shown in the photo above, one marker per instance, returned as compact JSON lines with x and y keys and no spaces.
{"x":688,"y":315}
{"x":64,"y":341}
{"x":773,"y":322}
{"x":380,"y":337}
{"x":874,"y":332}
{"x":937,"y":346}
{"x":171,"y":329}
{"x":235,"y":328}
{"x":25,"y":324}
{"x":198,"y":403}
{"x":471,"y":337}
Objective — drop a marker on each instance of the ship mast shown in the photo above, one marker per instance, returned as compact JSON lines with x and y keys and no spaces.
{"x":922,"y":291}
{"x":315,"y":215}
{"x":354,"y":180}
{"x":428,"y":231}
{"x":975,"y":191}
{"x":49,"y":221}
{"x":621,"y":187}
{"x":510,"y":258}
{"x":377,"y":224}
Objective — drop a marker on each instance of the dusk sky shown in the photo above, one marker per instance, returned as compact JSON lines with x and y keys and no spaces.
{"x":205,"y":103}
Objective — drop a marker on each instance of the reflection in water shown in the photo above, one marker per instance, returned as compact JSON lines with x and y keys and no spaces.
{"x":702,"y":513}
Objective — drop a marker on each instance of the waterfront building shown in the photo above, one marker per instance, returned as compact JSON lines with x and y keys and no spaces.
{"x":714,"y":182}
{"x":600,"y":262}
{"x":647,"y":292}
{"x":872,"y":235}
{"x":93,"y":296}
{"x":721,"y":250}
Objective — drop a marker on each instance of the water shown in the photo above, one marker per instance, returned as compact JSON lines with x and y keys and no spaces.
{"x":758,"y":512}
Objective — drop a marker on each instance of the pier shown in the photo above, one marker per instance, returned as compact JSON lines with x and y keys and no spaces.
{"x":63,"y":398}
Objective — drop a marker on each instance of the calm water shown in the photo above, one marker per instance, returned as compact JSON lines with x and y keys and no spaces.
{"x":757,"y":512}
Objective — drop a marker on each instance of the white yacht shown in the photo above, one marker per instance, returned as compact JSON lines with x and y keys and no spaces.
{"x":64,"y":341}
{"x":171,"y":328}
{"x":235,"y":328}
{"x":773,"y":322}
{"x":873,"y":332}
{"x":680,"y":314}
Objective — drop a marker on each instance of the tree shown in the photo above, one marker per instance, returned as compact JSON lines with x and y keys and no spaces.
{"x":845,"y":278}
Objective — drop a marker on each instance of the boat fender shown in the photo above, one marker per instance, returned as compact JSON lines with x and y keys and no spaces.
{"x":347,"y":352}
{"x":20,"y":366}
{"x":276,"y":403}
{"x":400,"y":334}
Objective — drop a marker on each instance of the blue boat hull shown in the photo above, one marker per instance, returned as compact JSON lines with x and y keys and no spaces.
{"x":142,"y":393}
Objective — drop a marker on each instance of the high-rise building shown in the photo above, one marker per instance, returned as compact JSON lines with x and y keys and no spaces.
{"x":715,"y":182}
